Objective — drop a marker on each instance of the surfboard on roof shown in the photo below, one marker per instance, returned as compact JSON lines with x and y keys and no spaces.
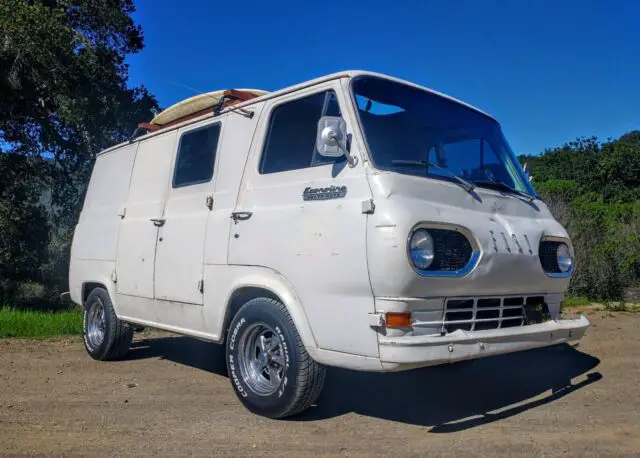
{"x":195,"y":104}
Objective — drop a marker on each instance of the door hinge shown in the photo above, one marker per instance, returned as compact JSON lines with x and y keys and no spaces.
{"x":368,"y":207}
{"x":209,"y":202}
{"x":122,"y":212}
{"x":376,"y":320}
{"x":114,"y":276}
{"x":201,"y":286}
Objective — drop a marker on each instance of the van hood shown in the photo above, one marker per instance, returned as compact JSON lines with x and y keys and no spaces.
{"x":445,"y":194}
{"x":505,"y":228}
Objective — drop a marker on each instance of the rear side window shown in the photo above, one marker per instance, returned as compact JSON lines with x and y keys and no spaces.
{"x":196,"y":156}
{"x":291,"y":138}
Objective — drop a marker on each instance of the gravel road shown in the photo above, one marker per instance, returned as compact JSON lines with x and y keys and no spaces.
{"x":171,"y":397}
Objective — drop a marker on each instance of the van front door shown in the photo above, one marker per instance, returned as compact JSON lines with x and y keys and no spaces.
{"x":181,"y":239}
{"x":300,"y":214}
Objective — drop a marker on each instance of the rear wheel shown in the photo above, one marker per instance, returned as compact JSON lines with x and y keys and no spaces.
{"x":270,"y":370}
{"x":105,"y":336}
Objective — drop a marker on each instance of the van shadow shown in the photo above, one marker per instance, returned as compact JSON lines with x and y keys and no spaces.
{"x":459,"y":396}
{"x":199,"y":354}
{"x":447,"y":398}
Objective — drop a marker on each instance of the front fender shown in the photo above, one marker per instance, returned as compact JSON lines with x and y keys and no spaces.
{"x":227,"y":280}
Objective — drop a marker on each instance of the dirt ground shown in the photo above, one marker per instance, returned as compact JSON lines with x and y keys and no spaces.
{"x":171,"y":397}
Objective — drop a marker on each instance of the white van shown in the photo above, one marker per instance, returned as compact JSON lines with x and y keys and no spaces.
{"x":355,"y":220}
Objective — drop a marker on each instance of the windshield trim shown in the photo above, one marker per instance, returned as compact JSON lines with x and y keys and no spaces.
{"x":370,"y":156}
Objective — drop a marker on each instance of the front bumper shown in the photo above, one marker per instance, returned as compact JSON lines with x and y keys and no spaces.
{"x":401,"y":352}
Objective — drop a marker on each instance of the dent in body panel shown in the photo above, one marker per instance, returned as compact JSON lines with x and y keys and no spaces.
{"x":507,"y":265}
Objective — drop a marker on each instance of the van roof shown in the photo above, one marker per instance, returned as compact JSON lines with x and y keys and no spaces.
{"x":296,"y":87}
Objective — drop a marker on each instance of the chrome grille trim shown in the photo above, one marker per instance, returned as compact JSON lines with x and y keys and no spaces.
{"x":482,"y":313}
{"x":483,"y":320}
{"x":506,"y":307}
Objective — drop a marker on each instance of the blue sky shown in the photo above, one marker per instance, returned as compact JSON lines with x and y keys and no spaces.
{"x":548,"y":70}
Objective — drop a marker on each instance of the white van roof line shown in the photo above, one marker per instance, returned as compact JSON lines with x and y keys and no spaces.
{"x":296,"y":87}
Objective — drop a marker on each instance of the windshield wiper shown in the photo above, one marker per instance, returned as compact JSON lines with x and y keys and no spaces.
{"x":425,"y":164}
{"x":497,"y":184}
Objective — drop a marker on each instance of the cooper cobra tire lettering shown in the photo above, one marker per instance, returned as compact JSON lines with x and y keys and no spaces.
{"x":232,"y":342}
{"x":285,"y":348}
{"x":234,"y":377}
{"x":301,"y":377}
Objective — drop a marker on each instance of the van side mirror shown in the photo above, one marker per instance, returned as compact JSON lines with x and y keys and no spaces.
{"x":331,"y":138}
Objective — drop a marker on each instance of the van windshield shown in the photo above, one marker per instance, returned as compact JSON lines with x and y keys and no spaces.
{"x":412,"y":131}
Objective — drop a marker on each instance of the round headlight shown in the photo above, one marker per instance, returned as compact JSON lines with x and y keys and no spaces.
{"x":564,"y":258}
{"x":421,"y":249}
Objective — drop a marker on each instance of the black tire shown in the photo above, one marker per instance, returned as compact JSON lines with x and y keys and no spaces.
{"x":301,"y":379}
{"x":117,"y":334}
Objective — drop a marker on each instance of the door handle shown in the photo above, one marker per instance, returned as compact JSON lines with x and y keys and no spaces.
{"x":158,"y":222}
{"x":241,"y":216}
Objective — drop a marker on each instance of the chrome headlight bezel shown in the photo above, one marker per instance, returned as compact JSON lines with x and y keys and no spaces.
{"x":437,"y":266}
{"x":558,"y":259}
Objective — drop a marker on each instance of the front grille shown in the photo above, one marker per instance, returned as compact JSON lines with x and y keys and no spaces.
{"x":547,"y":251}
{"x":478,"y":314}
{"x":452,"y":250}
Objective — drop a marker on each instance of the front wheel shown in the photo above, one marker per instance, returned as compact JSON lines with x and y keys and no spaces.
{"x":270,"y":370}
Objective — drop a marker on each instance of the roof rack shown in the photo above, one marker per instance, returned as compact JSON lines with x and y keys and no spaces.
{"x":219,"y":100}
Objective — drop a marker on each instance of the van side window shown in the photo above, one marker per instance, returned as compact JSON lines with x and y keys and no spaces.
{"x":291,"y":138}
{"x":196,"y":156}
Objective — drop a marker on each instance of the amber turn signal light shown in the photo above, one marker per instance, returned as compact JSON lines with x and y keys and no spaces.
{"x":398,"y":319}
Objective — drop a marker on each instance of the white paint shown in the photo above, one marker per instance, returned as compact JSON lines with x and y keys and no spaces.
{"x":228,"y":279}
{"x":99,"y":220}
{"x":318,"y":246}
{"x":135,"y":261}
{"x":331,"y":265}
{"x":237,"y":136}
{"x":428,"y":351}
{"x":180,"y":252}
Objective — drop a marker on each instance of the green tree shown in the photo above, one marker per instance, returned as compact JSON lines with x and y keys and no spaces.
{"x":64,"y":97}
{"x":593,"y":189}
{"x":24,"y":225}
{"x":617,"y":175}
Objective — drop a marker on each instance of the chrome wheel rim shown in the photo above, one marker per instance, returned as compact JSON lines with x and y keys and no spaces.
{"x":95,"y":324}
{"x":261,"y":359}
